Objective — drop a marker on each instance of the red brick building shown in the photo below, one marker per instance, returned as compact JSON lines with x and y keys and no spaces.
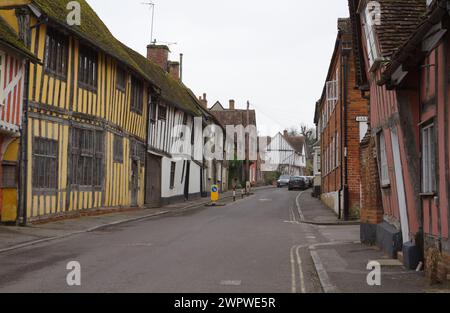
{"x":341,"y":119}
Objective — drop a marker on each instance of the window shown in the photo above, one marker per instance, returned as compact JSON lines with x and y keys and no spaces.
{"x":428,"y":159}
{"x":87,"y":68}
{"x":162,"y":113}
{"x":56,"y":53}
{"x":137,"y":92}
{"x":87,"y":157}
{"x":384,"y":168}
{"x":337,"y":150}
{"x":9,"y":175}
{"x":369,"y":17}
{"x":153,"y":109}
{"x":138,"y":151}
{"x":45,"y":163}
{"x":118,"y":149}
{"x":172,"y":175}
{"x":121,"y":78}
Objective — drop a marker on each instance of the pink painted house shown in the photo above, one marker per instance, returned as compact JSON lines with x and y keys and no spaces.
{"x":380,"y":28}
{"x":419,"y":75}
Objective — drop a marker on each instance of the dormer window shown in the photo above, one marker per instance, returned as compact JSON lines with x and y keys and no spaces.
{"x":371,"y":16}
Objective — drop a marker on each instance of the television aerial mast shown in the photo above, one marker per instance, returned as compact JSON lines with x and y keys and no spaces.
{"x":152,"y":8}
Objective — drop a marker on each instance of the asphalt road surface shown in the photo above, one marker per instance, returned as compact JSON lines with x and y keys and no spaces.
{"x":251,"y":246}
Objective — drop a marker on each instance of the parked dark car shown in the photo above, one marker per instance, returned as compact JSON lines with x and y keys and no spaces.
{"x":297,"y":182}
{"x":283,"y":181}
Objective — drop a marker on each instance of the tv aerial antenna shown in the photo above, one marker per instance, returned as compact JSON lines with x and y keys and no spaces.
{"x":152,"y":8}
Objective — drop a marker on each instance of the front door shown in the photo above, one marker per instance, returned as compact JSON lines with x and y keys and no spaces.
{"x":153,"y":181}
{"x":187,"y":180}
{"x":134,"y":182}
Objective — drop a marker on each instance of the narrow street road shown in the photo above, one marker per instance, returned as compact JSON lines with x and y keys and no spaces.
{"x":254,"y":245}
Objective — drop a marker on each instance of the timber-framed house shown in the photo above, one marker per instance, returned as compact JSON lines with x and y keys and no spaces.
{"x":87,"y":113}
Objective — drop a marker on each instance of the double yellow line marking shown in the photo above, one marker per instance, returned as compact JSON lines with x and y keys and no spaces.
{"x":297,"y":265}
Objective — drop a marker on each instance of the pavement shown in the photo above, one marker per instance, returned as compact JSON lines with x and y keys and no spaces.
{"x":260,"y":244}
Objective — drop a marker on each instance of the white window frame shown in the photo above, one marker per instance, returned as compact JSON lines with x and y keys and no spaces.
{"x":384,"y":166}
{"x":428,"y":146}
{"x":369,"y":30}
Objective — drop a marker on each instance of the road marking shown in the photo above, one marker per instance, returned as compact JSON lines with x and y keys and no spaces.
{"x":293,"y":279}
{"x":296,"y":261}
{"x":235,"y":283}
{"x":297,"y":202}
{"x":300,"y":268}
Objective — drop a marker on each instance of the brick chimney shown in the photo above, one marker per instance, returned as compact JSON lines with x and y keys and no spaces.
{"x":174,"y":70}
{"x":232,"y":105}
{"x":204,"y":101}
{"x":286,"y":133}
{"x":159,"y":54}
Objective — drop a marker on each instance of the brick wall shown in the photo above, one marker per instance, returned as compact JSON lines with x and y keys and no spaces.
{"x":357,"y":107}
{"x":372,"y":208}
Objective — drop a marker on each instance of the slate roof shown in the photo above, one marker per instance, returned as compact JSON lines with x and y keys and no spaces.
{"x":9,"y":38}
{"x":94,"y":31}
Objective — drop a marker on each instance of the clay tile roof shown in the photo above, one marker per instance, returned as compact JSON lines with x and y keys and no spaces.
{"x":399,"y":19}
{"x":235,"y":117}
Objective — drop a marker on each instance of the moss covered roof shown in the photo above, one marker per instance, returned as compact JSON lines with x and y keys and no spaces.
{"x":9,"y":37}
{"x":93,"y":30}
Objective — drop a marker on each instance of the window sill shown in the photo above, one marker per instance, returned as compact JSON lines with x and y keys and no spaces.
{"x":87,"y":87}
{"x":386,"y":186}
{"x":53,"y":74}
{"x":428,"y":194}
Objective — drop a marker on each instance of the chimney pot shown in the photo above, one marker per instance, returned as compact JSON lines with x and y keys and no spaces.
{"x":232,"y":105}
{"x":203,"y":101}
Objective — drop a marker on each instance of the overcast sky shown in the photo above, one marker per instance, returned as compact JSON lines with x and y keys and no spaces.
{"x":273,"y":53}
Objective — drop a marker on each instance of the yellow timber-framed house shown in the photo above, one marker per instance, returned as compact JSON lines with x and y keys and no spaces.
{"x":84,"y":140}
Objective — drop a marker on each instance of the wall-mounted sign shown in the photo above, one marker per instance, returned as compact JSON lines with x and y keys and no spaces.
{"x":362,"y":119}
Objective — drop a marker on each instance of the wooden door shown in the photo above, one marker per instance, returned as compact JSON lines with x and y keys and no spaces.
{"x":153,"y":181}
{"x":134,"y":182}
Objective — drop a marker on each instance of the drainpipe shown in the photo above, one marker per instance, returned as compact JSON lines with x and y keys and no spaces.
{"x":345,"y":106}
{"x":23,"y":155}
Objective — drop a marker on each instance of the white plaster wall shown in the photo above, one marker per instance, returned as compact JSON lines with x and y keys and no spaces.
{"x":331,"y":200}
{"x":178,"y":189}
{"x":194,"y":180}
